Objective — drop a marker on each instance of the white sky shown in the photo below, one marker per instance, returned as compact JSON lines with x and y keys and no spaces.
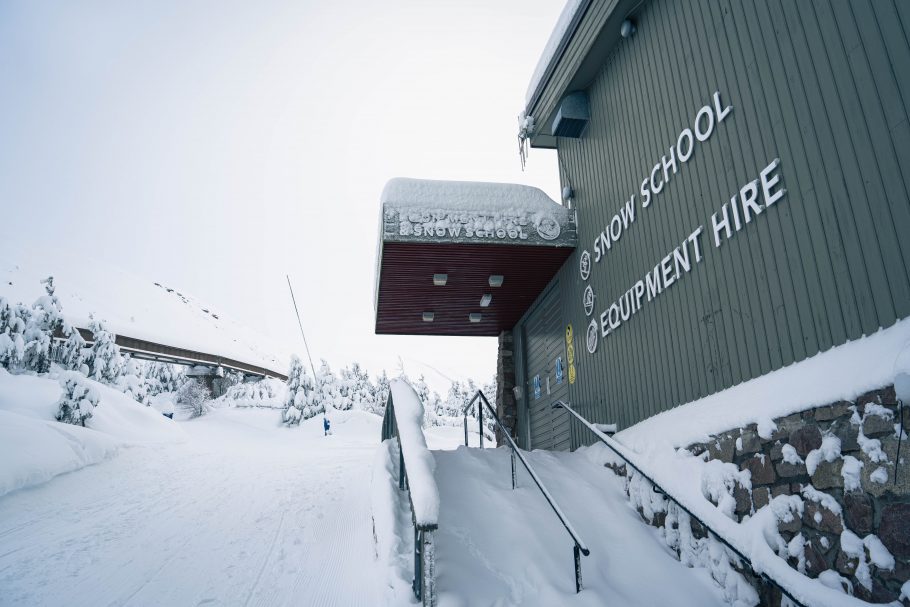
{"x":217,"y":146}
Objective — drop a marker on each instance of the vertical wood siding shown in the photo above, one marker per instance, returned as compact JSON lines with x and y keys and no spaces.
{"x":824,"y":85}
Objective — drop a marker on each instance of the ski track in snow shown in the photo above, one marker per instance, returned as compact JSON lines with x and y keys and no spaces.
{"x":239,"y":515}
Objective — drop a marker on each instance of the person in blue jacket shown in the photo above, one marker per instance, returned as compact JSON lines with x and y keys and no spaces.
{"x":326,"y":425}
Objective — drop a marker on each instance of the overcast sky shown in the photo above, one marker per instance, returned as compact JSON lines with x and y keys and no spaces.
{"x":217,"y":146}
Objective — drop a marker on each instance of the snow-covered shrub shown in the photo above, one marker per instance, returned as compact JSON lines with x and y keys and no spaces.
{"x":192,"y":398}
{"x":78,"y":401}
{"x":104,"y":361}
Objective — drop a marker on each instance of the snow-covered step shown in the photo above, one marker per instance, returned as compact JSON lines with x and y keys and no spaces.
{"x":499,"y":546}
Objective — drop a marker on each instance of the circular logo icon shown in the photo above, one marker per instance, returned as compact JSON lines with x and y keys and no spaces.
{"x":570,"y":353}
{"x":571,"y":374}
{"x":588,"y":300}
{"x":591,"y":337}
{"x":548,"y":228}
{"x":569,"y":334}
{"x":584,"y":265}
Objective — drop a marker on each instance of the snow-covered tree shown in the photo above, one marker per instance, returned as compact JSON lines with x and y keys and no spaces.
{"x":44,"y":321}
{"x":381,"y":392}
{"x":192,"y":397}
{"x":362,"y":394}
{"x":298,"y":401}
{"x":327,"y":390}
{"x":104,"y":361}
{"x":13,"y":321}
{"x":132,"y":381}
{"x":78,"y":401}
{"x":71,"y":353}
{"x":162,"y":377}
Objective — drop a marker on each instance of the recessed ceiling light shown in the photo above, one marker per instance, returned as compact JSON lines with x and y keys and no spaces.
{"x":440,"y":279}
{"x":496,"y":280}
{"x":486,"y":299}
{"x":474,"y":317}
{"x":428,"y":316}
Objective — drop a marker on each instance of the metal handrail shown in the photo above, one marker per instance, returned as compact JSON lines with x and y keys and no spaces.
{"x":579,"y":548}
{"x":608,"y":442}
{"x":424,"y":583}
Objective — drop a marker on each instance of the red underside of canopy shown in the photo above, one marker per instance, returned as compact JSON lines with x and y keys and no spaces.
{"x":406,"y":288}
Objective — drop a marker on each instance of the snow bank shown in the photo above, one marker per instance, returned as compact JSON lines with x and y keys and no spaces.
{"x":134,"y":306}
{"x":418,"y":460}
{"x":34,"y":447}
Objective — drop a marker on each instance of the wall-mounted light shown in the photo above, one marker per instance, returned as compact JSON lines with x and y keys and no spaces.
{"x":496,"y":280}
{"x":474,"y":317}
{"x":627,"y":29}
{"x":486,"y":299}
{"x":568,"y":196}
{"x":428,"y":316}
{"x":440,"y":280}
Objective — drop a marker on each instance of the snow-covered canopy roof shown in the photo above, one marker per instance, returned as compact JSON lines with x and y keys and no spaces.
{"x":423,"y":210}
{"x":496,"y":243}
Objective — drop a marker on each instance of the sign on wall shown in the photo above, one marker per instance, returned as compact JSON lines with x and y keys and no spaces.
{"x":537,"y":387}
{"x":559,"y":372}
{"x":751,"y":200}
{"x":570,"y":353}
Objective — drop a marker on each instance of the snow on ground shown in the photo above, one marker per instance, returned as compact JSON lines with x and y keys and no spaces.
{"x":134,"y":306}
{"x":496,"y":546}
{"x":245,"y":512}
{"x":34,"y":447}
{"x":240,"y":511}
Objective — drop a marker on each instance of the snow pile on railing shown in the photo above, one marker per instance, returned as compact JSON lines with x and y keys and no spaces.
{"x":418,"y":460}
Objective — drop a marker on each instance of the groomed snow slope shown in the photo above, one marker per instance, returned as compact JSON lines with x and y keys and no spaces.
{"x":496,"y":546}
{"x":134,"y":306}
{"x":244,"y":512}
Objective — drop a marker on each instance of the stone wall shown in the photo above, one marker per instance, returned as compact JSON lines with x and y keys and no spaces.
{"x":851,"y":511}
{"x":506,"y":407}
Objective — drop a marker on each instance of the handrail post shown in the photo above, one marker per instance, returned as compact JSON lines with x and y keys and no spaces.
{"x":466,"y":430}
{"x":480,"y":421}
{"x":417,"y":585}
{"x":514,"y":478}
{"x":577,"y":554}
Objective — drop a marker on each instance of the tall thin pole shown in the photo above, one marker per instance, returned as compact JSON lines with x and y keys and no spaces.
{"x":300,"y":324}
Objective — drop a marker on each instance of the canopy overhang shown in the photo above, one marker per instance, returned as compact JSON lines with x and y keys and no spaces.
{"x":461,"y":258}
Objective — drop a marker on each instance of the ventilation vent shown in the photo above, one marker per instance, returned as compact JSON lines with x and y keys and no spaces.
{"x":572,"y":116}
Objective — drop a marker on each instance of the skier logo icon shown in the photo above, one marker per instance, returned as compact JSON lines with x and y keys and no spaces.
{"x":584,"y":265}
{"x":588,"y":300}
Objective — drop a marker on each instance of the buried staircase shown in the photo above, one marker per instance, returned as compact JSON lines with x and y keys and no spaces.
{"x":496,"y":525}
